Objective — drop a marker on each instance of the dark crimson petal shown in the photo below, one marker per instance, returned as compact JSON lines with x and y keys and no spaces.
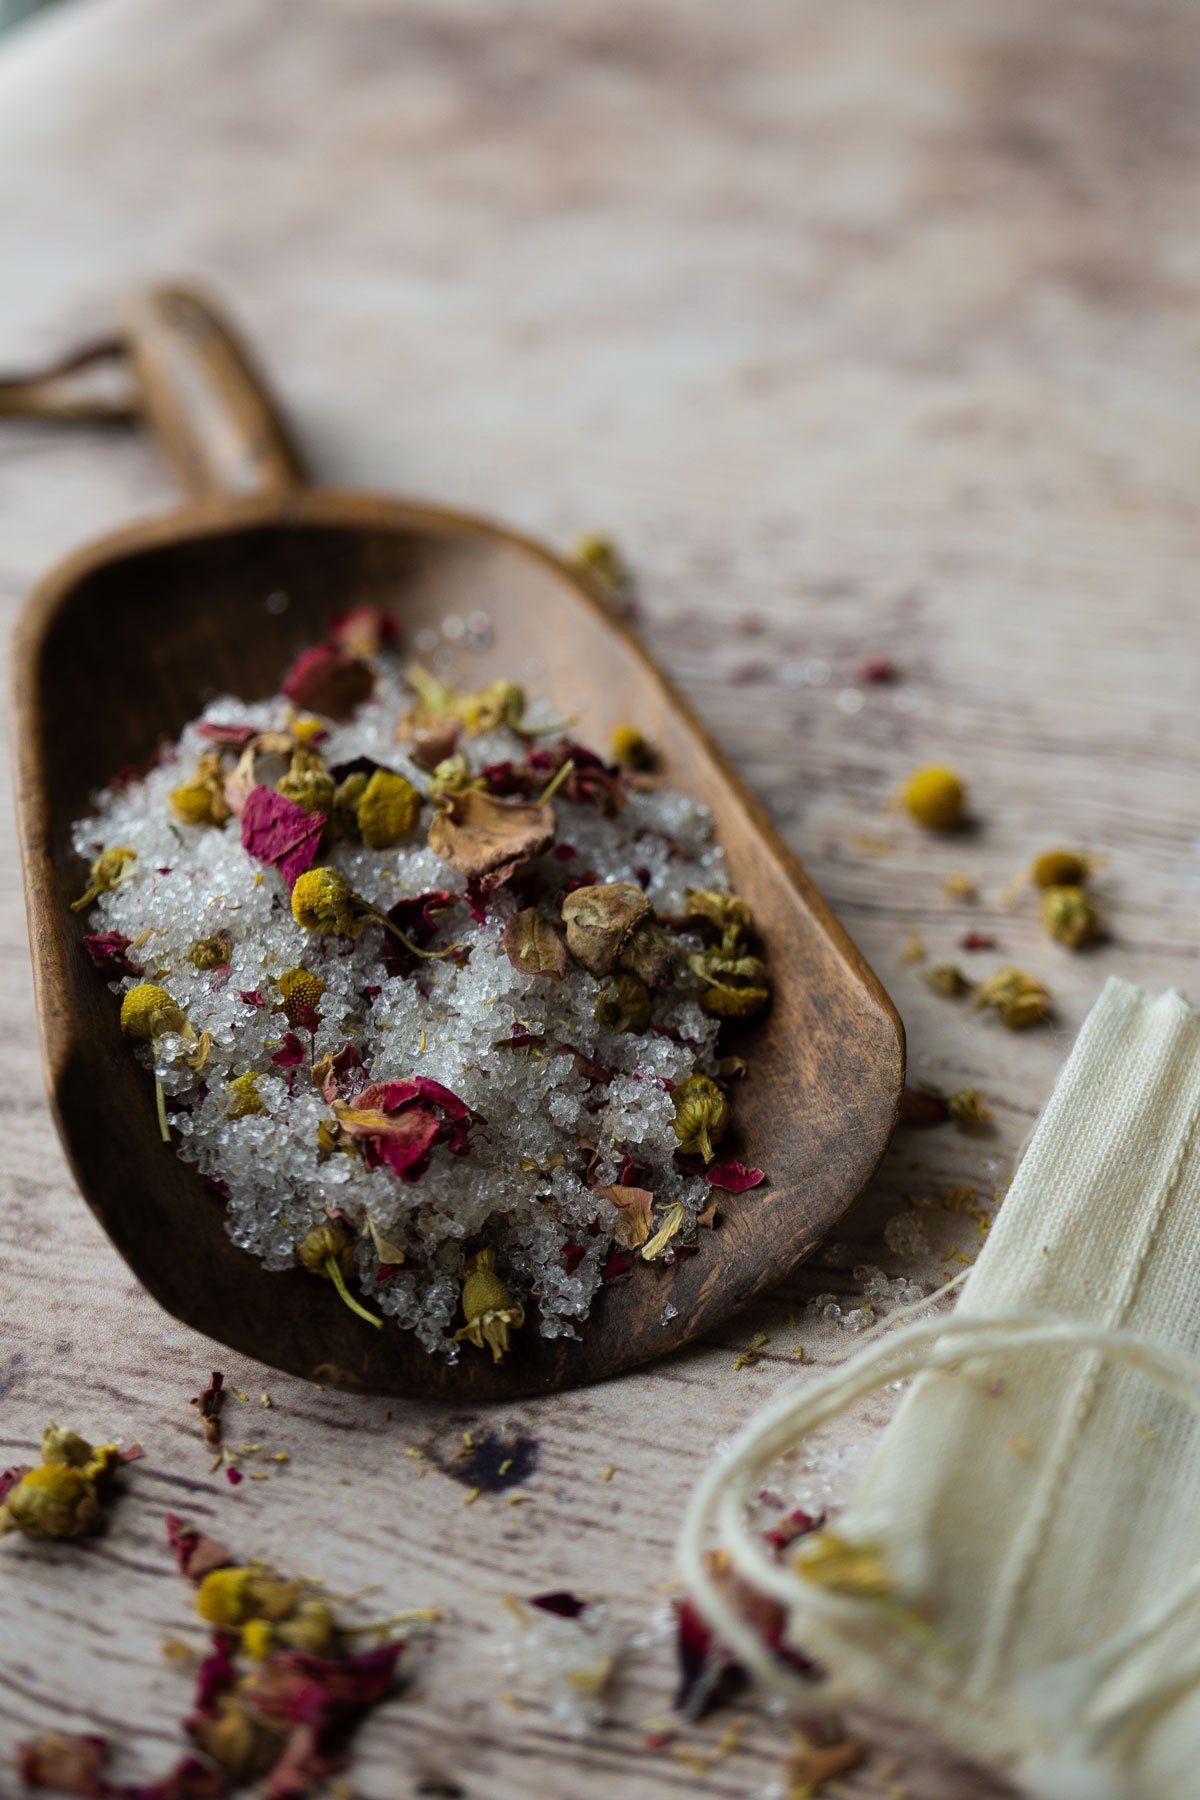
{"x":326,"y":680}
{"x":196,"y":1554}
{"x":10,"y":1477}
{"x":565,"y":852}
{"x":798,"y":1524}
{"x":234,"y":1477}
{"x":107,"y":951}
{"x":561,"y":1603}
{"x":416,"y":918}
{"x":573,"y":1255}
{"x":920,"y":1108}
{"x":217,"y":1674}
{"x":290,"y":1053}
{"x":251,"y":996}
{"x":278,"y":832}
{"x":734,"y":1177}
{"x":978,"y":940}
{"x":617,"y":1268}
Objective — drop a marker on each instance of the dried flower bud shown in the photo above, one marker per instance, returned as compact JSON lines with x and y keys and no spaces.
{"x":148,"y":1012}
{"x":726,"y":913}
{"x":701,"y":1115}
{"x":500,"y":703}
{"x":946,"y":978}
{"x":599,"y":557}
{"x":629,"y":748}
{"x":61,"y":1445}
{"x":1019,"y":999}
{"x":966,"y":1105}
{"x":110,"y":868}
{"x":244,"y":1097}
{"x":1071,"y":916}
{"x":211,"y":952}
{"x":228,"y":1598}
{"x":936,"y":798}
{"x":600,"y":920}
{"x":322,"y":901}
{"x":238,"y":1738}
{"x":452,"y":776}
{"x":328,"y":1239}
{"x":53,"y":1501}
{"x":724,"y":1002}
{"x":301,"y":996}
{"x":201,"y":801}
{"x":624,"y":1005}
{"x":388,"y":810}
{"x":326,"y":680}
{"x":308,"y":783}
{"x":345,"y":803}
{"x":1060,"y":868}
{"x":488,"y":1307}
{"x":258,"y":1639}
{"x":650,"y":952}
{"x":312,"y":1629}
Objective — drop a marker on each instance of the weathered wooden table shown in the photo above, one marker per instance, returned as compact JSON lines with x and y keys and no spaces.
{"x":865,"y":330}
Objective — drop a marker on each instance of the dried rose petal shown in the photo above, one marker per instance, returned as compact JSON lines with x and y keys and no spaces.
{"x":432,"y":742}
{"x":69,"y":1764}
{"x":562,"y":1604}
{"x":797,"y":1524}
{"x":397,"y":1124}
{"x":10,"y":1477}
{"x":328,"y":681}
{"x":364,"y":631}
{"x":290,"y":1053}
{"x":617,"y":1268}
{"x":978,"y":940}
{"x":251,"y":996}
{"x":734,"y":1177}
{"x":216,"y":1675}
{"x":921,"y":1108}
{"x":573,"y":1255}
{"x":323,"y":1691}
{"x":234,"y":1476}
{"x":336,"y":1075}
{"x":416,"y":917}
{"x":634,"y":1205}
{"x":534,"y":946}
{"x":478,"y":834}
{"x":107,"y":951}
{"x":196,"y":1554}
{"x":278,"y":832}
{"x":209,"y":1401}
{"x":227,"y":737}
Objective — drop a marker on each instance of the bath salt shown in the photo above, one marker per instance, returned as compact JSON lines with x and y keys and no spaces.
{"x":421,"y":980}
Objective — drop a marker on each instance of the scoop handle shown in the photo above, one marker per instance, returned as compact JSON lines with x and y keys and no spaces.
{"x":211,"y":411}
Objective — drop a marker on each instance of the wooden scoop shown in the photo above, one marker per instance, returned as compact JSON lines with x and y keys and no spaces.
{"x":127,"y":640}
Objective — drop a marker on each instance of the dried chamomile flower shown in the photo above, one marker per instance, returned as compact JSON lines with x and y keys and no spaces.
{"x":936,"y":798}
{"x":488,"y":1307}
{"x":52,"y":1501}
{"x":301,"y":991}
{"x":1071,"y":916}
{"x":388,"y":810}
{"x":245,"y":1098}
{"x":327,"y":1242}
{"x":624,"y":1004}
{"x":345,"y":802}
{"x":600,"y":920}
{"x":966,"y":1105}
{"x":599,"y":557}
{"x":211,"y":952}
{"x":1018,"y":998}
{"x":228,"y":1598}
{"x":328,"y":1251}
{"x":110,"y":868}
{"x":308,"y":783}
{"x":322,"y":901}
{"x":500,"y":703}
{"x":726,"y":1000}
{"x":629,"y":748}
{"x":148,"y":1012}
{"x":726,"y":913}
{"x":202,"y":801}
{"x":946,"y":978}
{"x":1060,"y":868}
{"x":701,"y":1115}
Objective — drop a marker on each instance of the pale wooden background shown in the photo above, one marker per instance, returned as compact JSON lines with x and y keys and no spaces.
{"x":864,"y":328}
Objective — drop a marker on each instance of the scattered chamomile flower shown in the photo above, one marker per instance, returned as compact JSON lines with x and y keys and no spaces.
{"x":629,"y":748}
{"x":946,"y":978}
{"x":110,"y":868}
{"x":936,"y":798}
{"x":701,"y":1115}
{"x":1071,"y":916}
{"x":489,"y":1308}
{"x":1060,"y":868}
{"x":1019,"y":999}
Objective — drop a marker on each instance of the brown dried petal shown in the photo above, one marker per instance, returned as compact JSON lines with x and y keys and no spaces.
{"x":476,"y":833}
{"x":600,"y":920}
{"x":651,"y":954}
{"x":534,"y":945}
{"x":634,"y":1205}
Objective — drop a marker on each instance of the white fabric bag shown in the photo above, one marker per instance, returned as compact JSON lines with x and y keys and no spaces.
{"x":1037,"y":1495}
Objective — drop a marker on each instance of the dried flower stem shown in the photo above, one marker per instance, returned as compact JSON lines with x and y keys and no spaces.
{"x":160,"y":1100}
{"x":552,"y":786}
{"x":335,"y":1275}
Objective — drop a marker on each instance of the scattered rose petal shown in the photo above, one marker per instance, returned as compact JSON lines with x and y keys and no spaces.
{"x":234,"y":1476}
{"x":978,"y":940}
{"x":397,"y":1123}
{"x":337,"y":1076}
{"x":634,"y":1205}
{"x":328,"y":681}
{"x":252,"y":997}
{"x":70,"y":1764}
{"x":561,"y":1603}
{"x":416,"y":917}
{"x":280,"y":833}
{"x":876,"y":670}
{"x":290,"y":1053}
{"x":227,"y":737}
{"x":364,"y":630}
{"x":572,"y":1255}
{"x":921,"y":1108}
{"x":565,"y":852}
{"x":196,"y":1554}
{"x":798,"y":1524}
{"x":617,"y":1268}
{"x":734,"y":1177}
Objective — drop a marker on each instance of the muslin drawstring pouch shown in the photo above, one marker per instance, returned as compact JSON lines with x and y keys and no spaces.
{"x":1021,"y":1560}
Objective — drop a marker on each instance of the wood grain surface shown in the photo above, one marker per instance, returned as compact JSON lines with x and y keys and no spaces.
{"x":864,"y":330}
